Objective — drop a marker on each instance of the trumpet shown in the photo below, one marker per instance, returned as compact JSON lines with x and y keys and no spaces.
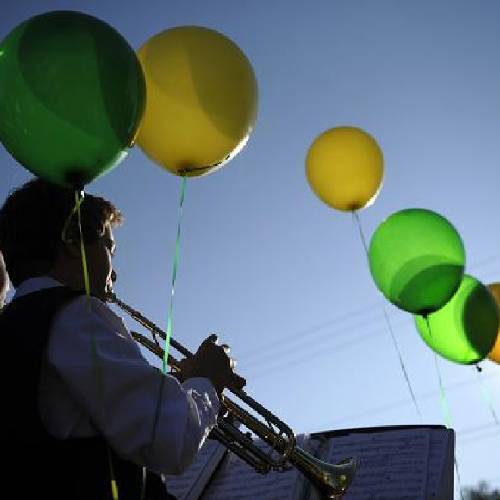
{"x":331,"y":481}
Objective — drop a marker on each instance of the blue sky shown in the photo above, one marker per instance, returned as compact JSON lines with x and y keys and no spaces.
{"x":283,"y":278}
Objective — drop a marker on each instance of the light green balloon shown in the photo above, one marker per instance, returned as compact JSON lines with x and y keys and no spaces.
{"x":417,"y":260}
{"x":465,"y":329}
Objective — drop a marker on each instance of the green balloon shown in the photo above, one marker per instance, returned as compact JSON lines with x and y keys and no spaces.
{"x":72,"y":94}
{"x":417,"y":260}
{"x":465,"y":329}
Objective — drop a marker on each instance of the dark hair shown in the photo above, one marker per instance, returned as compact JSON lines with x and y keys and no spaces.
{"x":32,"y":221}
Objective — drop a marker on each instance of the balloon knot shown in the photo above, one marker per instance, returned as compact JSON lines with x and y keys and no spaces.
{"x":76,"y":179}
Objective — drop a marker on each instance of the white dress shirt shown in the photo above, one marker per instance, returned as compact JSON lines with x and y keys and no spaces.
{"x":95,"y":377}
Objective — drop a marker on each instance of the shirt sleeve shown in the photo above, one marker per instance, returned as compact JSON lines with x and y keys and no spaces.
{"x":124,"y":396}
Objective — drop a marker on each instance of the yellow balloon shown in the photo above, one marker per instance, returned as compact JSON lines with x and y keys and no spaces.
{"x":201,"y":101}
{"x":494,"y":354}
{"x":345,"y":168}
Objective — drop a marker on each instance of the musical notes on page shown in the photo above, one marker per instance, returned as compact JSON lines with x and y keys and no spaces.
{"x":413,"y":463}
{"x":190,"y":484}
{"x":236,"y":480}
{"x":392,"y":465}
{"x":440,"y":470}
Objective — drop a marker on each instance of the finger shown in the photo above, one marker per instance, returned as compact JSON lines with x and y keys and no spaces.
{"x":186,"y":361}
{"x":238,"y":382}
{"x":185,"y":364}
{"x":210,"y":340}
{"x":213,"y":338}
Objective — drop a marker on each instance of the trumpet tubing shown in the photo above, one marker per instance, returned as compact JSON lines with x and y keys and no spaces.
{"x":331,"y":480}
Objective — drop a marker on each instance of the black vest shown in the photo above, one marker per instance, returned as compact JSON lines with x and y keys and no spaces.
{"x":38,"y":465}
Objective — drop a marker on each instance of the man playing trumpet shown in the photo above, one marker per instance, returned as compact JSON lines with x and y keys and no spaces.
{"x":82,"y":400}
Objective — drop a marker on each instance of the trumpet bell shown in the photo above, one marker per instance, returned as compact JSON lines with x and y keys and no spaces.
{"x":338,"y":477}
{"x":330,"y":480}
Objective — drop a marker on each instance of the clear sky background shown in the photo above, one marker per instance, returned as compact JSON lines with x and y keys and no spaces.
{"x":283,"y":278}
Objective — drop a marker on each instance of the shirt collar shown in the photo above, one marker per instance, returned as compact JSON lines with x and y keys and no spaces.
{"x":36,"y":284}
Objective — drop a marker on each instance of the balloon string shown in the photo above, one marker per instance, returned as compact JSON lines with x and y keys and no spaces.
{"x":79,"y":197}
{"x":170,"y":310}
{"x":487,"y":396}
{"x":114,"y":484}
{"x":459,"y":481}
{"x":174,"y":275}
{"x":143,"y":484}
{"x":361,"y":233}
{"x":401,"y":362}
{"x":389,"y":325}
{"x":444,"y":401}
{"x":64,"y":233}
{"x":86,"y":279}
{"x":446,"y":410}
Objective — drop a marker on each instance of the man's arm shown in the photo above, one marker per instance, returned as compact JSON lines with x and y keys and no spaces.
{"x":105,"y":374}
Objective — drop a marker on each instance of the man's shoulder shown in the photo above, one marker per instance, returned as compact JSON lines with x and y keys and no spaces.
{"x":90,"y":310}
{"x":46,"y":298}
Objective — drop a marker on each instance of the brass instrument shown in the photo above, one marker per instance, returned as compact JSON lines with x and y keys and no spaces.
{"x":331,"y":481}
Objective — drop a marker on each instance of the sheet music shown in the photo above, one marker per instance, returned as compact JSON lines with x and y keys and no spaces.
{"x":393,"y":464}
{"x":190,"y":484}
{"x":236,"y":480}
{"x":407,"y":464}
{"x":439,"y":447}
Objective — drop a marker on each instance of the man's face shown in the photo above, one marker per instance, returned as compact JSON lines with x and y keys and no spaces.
{"x":100,"y":267}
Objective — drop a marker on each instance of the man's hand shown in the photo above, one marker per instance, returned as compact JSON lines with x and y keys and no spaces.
{"x":212,"y":361}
